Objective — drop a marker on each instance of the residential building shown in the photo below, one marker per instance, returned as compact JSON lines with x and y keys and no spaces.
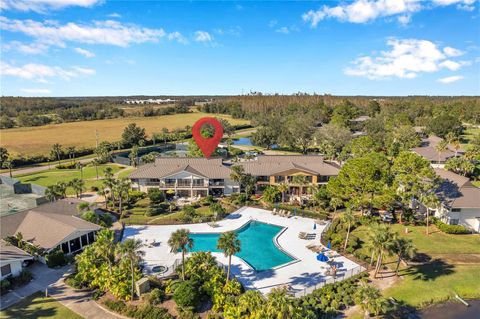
{"x":185,"y":177}
{"x":11,"y":260}
{"x":52,"y":225}
{"x":428,"y":150}
{"x":294,"y":170}
{"x":460,"y":201}
{"x":189,"y":177}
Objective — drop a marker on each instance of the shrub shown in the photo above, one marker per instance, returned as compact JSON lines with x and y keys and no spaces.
{"x":74,"y":282}
{"x":135,"y":196}
{"x":450,"y":229}
{"x":186,"y":295}
{"x":23,"y":277}
{"x":66,"y":166}
{"x":94,"y":189}
{"x":208,"y":200}
{"x":115,"y":305}
{"x":4,"y":286}
{"x":97,"y":294}
{"x":155,"y":195}
{"x":155,"y":297}
{"x":55,"y":258}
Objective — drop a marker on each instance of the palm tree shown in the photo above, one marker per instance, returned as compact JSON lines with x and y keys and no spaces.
{"x":430,"y":200}
{"x":130,"y":251}
{"x":71,"y":153}
{"x":105,"y":247}
{"x":403,"y":247}
{"x":441,"y":147}
{"x":283,"y":187}
{"x":77,"y":185}
{"x":237,"y":173}
{"x":95,"y":163}
{"x":51,"y":193}
{"x":230,"y":244}
{"x":349,"y":218}
{"x":180,"y":239}
{"x":165,"y":134}
{"x":122,"y":186}
{"x":300,"y":180}
{"x":335,"y":202}
{"x":109,"y":182}
{"x":382,"y":239}
{"x":79,"y":166}
{"x":57,"y":151}
{"x":370,"y":299}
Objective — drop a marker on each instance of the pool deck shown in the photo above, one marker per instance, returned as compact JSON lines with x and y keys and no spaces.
{"x":304,"y":273}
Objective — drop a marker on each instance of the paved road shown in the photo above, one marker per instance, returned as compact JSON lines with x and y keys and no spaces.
{"x":36,"y":169}
{"x":44,"y":277}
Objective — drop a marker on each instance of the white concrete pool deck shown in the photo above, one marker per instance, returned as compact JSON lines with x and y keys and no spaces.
{"x":304,"y":273}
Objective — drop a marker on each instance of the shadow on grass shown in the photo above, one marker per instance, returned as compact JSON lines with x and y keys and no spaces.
{"x":32,"y":307}
{"x":429,"y":271}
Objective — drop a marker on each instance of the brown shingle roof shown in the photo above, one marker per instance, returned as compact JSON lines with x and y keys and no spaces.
{"x":46,"y":225}
{"x":428,"y":150}
{"x":166,"y":166}
{"x":457,"y":191}
{"x":267,"y":165}
{"x":9,"y":252}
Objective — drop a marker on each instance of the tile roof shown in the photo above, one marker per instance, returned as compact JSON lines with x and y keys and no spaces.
{"x":457,"y":191}
{"x":9,"y":252}
{"x":427,"y":150}
{"x":166,"y":166}
{"x":46,"y":225}
{"x":266,"y":165}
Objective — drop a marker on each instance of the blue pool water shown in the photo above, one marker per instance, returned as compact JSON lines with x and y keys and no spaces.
{"x":257,"y":247}
{"x":243,"y":141}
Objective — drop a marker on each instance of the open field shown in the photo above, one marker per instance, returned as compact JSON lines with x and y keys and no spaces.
{"x":50,"y":177}
{"x":468,"y":135}
{"x":37,"y":306}
{"x":39,"y":140}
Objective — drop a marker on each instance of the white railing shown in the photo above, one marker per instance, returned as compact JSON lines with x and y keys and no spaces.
{"x":342,"y":276}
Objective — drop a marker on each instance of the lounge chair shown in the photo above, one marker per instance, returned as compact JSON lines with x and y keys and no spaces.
{"x":311,"y":236}
{"x":289,"y":214}
{"x":283,"y":212}
{"x":311,"y":246}
{"x":274,"y":212}
{"x":302,"y":235}
{"x":212,"y":224}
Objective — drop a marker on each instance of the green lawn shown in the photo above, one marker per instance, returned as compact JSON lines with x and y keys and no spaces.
{"x":435,"y":283}
{"x":53,"y":176}
{"x":468,"y":134}
{"x":36,"y":306}
{"x":125,"y":172}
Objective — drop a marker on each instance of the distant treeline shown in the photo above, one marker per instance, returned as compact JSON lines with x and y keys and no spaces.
{"x":419,"y":109}
{"x":23,"y":111}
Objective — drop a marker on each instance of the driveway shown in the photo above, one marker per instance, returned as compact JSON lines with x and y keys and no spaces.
{"x":42,"y":278}
{"x":77,"y":301}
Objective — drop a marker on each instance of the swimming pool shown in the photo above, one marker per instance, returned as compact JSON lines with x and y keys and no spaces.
{"x":257,"y":245}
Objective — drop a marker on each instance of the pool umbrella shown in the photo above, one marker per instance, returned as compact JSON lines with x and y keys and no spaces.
{"x":314,"y":226}
{"x":329,"y":245}
{"x":322,"y":257}
{"x":295,"y":212}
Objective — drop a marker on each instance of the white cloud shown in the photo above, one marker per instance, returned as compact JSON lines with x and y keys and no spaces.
{"x":406,"y":59}
{"x":449,"y":51}
{"x":114,"y":15}
{"x":85,"y":53}
{"x":42,"y":6}
{"x":36,"y":91}
{"x":203,"y":36}
{"x":364,"y":11}
{"x":272,"y":23}
{"x":283,"y":30}
{"x":177,"y":36}
{"x":100,"y":32}
{"x":404,"y":19}
{"x":26,"y":48}
{"x":450,"y":79}
{"x":40,"y":72}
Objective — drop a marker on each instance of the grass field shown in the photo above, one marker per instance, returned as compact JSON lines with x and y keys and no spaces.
{"x":53,"y":176}
{"x":468,"y":135}
{"x":39,"y":140}
{"x":433,"y":283}
{"x":37,"y":306}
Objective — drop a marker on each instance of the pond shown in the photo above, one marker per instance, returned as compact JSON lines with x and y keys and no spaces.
{"x":245,"y":141}
{"x":453,"y":310}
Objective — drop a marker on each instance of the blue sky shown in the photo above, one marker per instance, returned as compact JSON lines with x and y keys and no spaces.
{"x":360,"y":47}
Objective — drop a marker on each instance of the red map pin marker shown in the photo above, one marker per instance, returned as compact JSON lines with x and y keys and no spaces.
{"x":207,"y":145}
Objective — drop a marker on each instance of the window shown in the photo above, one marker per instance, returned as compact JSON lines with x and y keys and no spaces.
{"x":91,"y":238}
{"x":456,"y":210}
{"x":279,"y":179}
{"x":262,"y":178}
{"x":454,"y":221}
{"x":6,"y":270}
{"x":65,"y":248}
{"x":84,"y":240}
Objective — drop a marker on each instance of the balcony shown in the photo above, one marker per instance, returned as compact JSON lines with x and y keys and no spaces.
{"x":218,"y":183}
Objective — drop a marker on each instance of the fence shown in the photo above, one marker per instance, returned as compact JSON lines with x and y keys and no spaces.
{"x":349,"y":273}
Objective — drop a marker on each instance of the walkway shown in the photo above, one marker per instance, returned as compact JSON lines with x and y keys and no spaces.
{"x":36,"y":169}
{"x":303,"y":274}
{"x":44,"y":277}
